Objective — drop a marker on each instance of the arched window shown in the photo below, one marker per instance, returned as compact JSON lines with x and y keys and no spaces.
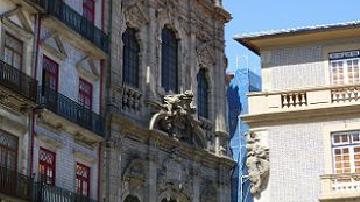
{"x":169,"y":61}
{"x":131,"y":198}
{"x":131,"y":58}
{"x":166,"y":200}
{"x":202,"y":95}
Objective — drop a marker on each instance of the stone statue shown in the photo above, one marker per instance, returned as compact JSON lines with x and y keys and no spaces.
{"x":258,"y":164}
{"x":175,"y":117}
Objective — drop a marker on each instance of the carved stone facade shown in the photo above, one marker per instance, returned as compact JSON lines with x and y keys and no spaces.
{"x":166,"y":152}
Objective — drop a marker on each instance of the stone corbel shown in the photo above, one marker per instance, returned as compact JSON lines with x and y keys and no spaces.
{"x":6,"y":18}
{"x":58,"y":51}
{"x":90,"y":73}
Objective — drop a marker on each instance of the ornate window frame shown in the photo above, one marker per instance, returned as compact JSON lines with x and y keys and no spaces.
{"x":180,"y":36}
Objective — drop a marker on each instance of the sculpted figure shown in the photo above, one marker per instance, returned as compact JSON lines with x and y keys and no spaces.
{"x":175,"y":117}
{"x":258,"y":164}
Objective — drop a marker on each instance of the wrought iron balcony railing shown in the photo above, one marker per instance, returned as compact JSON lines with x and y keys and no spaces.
{"x":75,"y":21}
{"x":71,"y":110}
{"x":15,"y":184}
{"x":17,"y":81}
{"x":47,"y":193}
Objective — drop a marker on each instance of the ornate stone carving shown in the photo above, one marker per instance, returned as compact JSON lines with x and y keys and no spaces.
{"x":134,"y":173}
{"x":135,"y":13}
{"x":175,"y":117}
{"x":258,"y":164}
{"x":173,"y":179}
{"x":205,"y":53}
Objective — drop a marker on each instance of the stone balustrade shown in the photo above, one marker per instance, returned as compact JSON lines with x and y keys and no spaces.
{"x":340,"y":186}
{"x":129,"y":99}
{"x":303,"y":99}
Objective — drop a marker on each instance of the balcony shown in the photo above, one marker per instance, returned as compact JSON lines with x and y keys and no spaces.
{"x":303,"y":100}
{"x":47,"y":193}
{"x":336,"y":187}
{"x":75,"y":21}
{"x":14,"y":184}
{"x":17,"y":81}
{"x":71,"y":110}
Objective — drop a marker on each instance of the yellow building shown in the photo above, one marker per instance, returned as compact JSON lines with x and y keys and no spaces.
{"x":306,"y":122}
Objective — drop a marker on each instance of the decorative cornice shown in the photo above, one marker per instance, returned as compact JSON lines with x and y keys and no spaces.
{"x":163,"y":142}
{"x":300,"y":115}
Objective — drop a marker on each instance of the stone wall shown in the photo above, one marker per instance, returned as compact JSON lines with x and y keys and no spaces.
{"x":155,"y":166}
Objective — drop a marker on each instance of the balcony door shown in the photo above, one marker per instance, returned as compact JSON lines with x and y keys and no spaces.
{"x":47,"y":165}
{"x":89,"y":10}
{"x":13,"y":56}
{"x":50,"y":83}
{"x":8,"y":151}
{"x":83,"y":179}
{"x":85,"y":100}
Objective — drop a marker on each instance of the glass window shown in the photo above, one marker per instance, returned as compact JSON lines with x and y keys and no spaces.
{"x":13,"y":51}
{"x":83,"y":179}
{"x":131,"y":58}
{"x":169,"y":61}
{"x":345,"y":68}
{"x":202,"y":97}
{"x":47,"y":160}
{"x":89,"y":10}
{"x":8,"y":150}
{"x":50,"y":73}
{"x":346,"y":152}
{"x":85,"y":93}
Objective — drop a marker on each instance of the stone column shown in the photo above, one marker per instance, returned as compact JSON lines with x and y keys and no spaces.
{"x":151,"y":173}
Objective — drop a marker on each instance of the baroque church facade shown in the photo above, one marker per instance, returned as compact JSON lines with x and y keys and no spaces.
{"x":113,"y":100}
{"x":167,"y":57}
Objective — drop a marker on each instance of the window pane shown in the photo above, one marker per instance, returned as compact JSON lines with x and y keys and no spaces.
{"x":346,"y":152}
{"x":169,"y":60}
{"x":131,"y":58}
{"x":202,"y":97}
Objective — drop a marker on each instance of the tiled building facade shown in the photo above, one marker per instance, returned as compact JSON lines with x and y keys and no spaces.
{"x":305,"y":122}
{"x":80,"y":83}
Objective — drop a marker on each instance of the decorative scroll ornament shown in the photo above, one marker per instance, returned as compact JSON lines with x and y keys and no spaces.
{"x":175,"y":117}
{"x":258,"y":164}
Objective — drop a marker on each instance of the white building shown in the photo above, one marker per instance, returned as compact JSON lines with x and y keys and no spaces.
{"x":307,"y":116}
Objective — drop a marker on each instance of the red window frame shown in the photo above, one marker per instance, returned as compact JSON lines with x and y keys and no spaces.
{"x":47,"y":166}
{"x":50,"y":73}
{"x":85,"y":93}
{"x":83,"y":179}
{"x":89,"y":10}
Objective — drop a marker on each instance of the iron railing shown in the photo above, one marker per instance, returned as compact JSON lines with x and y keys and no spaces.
{"x":15,"y":184}
{"x":71,"y":110}
{"x":75,"y":21}
{"x":16,"y":80}
{"x":48,"y":193}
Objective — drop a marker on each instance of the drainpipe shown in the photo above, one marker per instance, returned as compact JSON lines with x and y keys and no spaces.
{"x":33,"y":112}
{"x":102,"y":65}
{"x":107,"y":103}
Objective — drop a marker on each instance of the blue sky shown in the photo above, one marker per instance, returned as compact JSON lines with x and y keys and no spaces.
{"x":262,"y":15}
